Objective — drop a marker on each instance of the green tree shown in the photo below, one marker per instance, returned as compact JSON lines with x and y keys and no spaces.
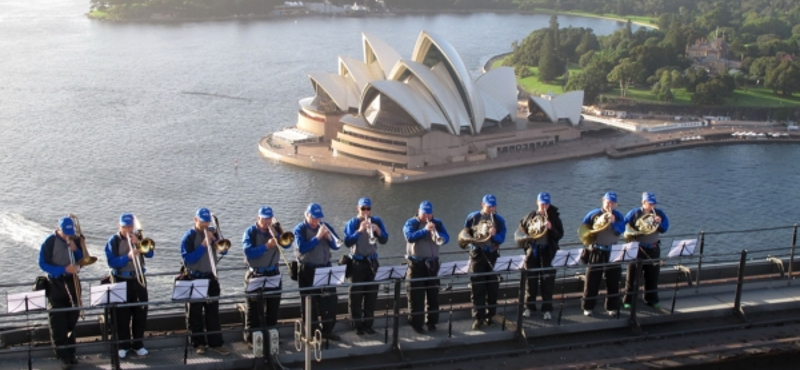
{"x":784,"y":78}
{"x":548,"y":62}
{"x":626,"y":73}
{"x":592,"y":80}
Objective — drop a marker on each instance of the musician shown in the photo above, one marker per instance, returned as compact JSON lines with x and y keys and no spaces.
{"x":120,"y":258}
{"x":649,"y":249}
{"x":422,"y":252}
{"x":54,"y":259}
{"x":198,"y":264}
{"x":315,"y":239}
{"x":539,"y":253}
{"x":486,"y":230}
{"x":260,"y":242}
{"x":363,"y":264}
{"x":600,"y":253}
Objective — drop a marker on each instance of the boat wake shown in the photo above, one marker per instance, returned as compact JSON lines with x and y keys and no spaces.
{"x":215,"y":95}
{"x":19,"y":229}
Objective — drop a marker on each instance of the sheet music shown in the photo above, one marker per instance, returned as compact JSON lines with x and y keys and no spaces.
{"x":624,"y":252}
{"x":36,"y":301}
{"x":190,"y":289}
{"x":109,"y":293}
{"x":568,"y":257}
{"x":391,"y":272}
{"x":454,"y":268}
{"x":684,"y":247}
{"x":325,"y":276}
{"x":509,"y":263}
{"x":266,"y":282}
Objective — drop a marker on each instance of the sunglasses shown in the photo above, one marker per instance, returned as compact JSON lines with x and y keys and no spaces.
{"x":366,"y":208}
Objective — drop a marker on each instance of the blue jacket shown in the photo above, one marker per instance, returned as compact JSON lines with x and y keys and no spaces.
{"x":46,"y":257}
{"x":304,"y":245}
{"x":351,"y":233}
{"x":619,"y":221}
{"x":500,"y":226}
{"x":412,"y":231}
{"x":116,"y":261}
{"x":254,"y":251}
{"x":189,"y":253}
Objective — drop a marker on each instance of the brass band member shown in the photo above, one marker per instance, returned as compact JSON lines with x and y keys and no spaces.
{"x":539,"y":253}
{"x":600,"y":253}
{"x":487,"y":231}
{"x":647,"y":222}
{"x":55,"y":260}
{"x":424,"y":235}
{"x":260,"y":242}
{"x":362,"y":235}
{"x":120,"y":259}
{"x":198,"y":263}
{"x":315,"y":239}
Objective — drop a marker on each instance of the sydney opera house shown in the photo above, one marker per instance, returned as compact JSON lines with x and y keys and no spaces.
{"x":426,"y":110}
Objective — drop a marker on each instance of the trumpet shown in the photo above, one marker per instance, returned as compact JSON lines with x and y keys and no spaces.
{"x":372,"y":239}
{"x":332,"y":237}
{"x":435,"y":236}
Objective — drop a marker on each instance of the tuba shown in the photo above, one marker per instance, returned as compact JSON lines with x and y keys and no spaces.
{"x":588,"y":234}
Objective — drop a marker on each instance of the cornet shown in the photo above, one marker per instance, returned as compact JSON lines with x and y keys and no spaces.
{"x":332,"y":237}
{"x":372,"y":239}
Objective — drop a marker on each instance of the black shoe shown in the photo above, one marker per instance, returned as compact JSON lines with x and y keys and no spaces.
{"x":359,"y":331}
{"x":490,"y":323}
{"x":431,"y":327}
{"x":332,"y":336}
{"x":418,"y":330}
{"x":477,"y":324}
{"x":369,"y":331}
{"x":73,"y":361}
{"x":66,"y":364}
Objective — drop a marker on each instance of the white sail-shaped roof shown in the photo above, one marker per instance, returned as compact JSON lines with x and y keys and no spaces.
{"x":500,"y":84}
{"x":565,"y":106}
{"x":375,"y":50}
{"x":456,"y":69}
{"x":422,"y":111}
{"x":444,"y":97}
{"x":337,"y":88}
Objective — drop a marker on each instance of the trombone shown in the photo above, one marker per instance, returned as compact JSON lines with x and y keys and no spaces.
{"x":283,"y":239}
{"x":145,"y":246}
{"x":85,"y":261}
{"x":221,"y":245}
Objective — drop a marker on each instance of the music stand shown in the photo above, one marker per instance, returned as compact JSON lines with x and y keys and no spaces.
{"x":109,"y":295}
{"x":565,"y":258}
{"x":26,"y":302}
{"x":453,"y":268}
{"x":624,"y":252}
{"x":326,"y":276}
{"x":189,"y":291}
{"x":391,"y":272}
{"x":263,"y":282}
{"x":679,"y":249}
{"x":509,"y":263}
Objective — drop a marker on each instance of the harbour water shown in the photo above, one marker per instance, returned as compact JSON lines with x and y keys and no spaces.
{"x":100,"y":119}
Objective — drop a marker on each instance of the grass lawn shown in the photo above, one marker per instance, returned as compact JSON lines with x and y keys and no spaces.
{"x":640,"y":20}
{"x":534,"y":86}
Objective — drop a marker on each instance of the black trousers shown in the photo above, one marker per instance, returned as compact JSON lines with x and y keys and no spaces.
{"x":323,"y":301}
{"x":594,"y":275}
{"x":261,"y":313}
{"x":197,"y":319}
{"x":362,"y":298}
{"x":418,"y":291}
{"x":126,"y":326}
{"x":484,"y":288}
{"x":650,"y":271}
{"x":540,"y":257}
{"x":62,"y":324}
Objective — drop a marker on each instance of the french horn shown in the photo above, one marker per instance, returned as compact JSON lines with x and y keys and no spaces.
{"x":646,"y":225}
{"x":588,"y":234}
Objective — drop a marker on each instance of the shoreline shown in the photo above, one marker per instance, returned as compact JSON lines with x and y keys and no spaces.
{"x":368,"y":15}
{"x":314,"y":158}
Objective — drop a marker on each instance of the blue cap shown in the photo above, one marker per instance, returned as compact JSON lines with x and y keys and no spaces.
{"x":265,"y":212}
{"x":203,"y":214}
{"x":649,"y":198}
{"x":543,"y":198}
{"x":490,"y":200}
{"x":126,"y":219}
{"x":426,"y":207}
{"x":315,"y":210}
{"x":364,"y":202}
{"x":67,"y":226}
{"x":610,"y":196}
